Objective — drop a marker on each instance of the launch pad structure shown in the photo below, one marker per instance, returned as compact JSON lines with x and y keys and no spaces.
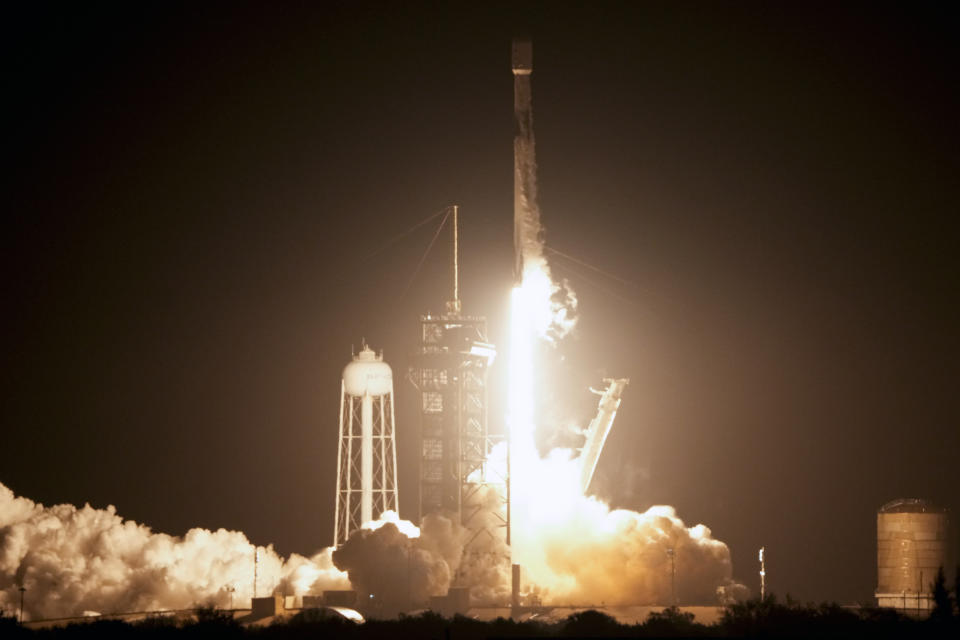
{"x":449,"y":372}
{"x":458,"y":475}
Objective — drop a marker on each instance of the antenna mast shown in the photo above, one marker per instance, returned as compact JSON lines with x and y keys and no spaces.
{"x":453,"y":306}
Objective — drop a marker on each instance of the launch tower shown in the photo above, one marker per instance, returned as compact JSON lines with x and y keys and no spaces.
{"x":449,"y":372}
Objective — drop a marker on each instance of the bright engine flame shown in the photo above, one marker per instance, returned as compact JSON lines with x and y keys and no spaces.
{"x":541,"y":490}
{"x":573,"y":547}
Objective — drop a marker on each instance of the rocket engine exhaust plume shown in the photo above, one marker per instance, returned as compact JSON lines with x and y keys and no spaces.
{"x":74,"y":560}
{"x":573,"y":547}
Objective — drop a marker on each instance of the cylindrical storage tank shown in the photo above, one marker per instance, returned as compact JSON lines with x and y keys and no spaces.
{"x":367,"y":374}
{"x":911,"y":546}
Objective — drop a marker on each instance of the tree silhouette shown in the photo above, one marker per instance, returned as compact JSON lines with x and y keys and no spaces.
{"x":942,"y":605}
{"x":671,"y":622}
{"x":956,"y":588}
{"x":10,"y":628}
{"x":591,"y":624}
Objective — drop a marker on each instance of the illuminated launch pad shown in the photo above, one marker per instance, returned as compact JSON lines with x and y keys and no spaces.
{"x":449,"y":372}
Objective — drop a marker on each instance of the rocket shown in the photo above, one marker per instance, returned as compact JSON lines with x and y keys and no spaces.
{"x":526,"y":221}
{"x":522,"y":56}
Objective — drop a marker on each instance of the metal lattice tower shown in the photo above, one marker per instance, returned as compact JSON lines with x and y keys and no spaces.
{"x":367,"y":456}
{"x":450,"y":374}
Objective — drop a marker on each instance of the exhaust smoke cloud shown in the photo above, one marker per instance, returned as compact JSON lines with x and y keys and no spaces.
{"x":400,"y":567}
{"x":574,"y":549}
{"x":73,"y":560}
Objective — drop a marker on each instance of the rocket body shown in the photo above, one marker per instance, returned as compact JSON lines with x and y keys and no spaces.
{"x":526,"y":217}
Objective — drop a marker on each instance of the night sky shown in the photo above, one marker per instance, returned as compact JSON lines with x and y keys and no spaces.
{"x":194,"y":195}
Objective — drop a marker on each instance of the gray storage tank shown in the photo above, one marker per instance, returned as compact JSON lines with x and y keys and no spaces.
{"x":911,"y":548}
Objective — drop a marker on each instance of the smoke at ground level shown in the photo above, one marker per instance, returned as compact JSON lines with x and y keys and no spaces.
{"x":74,"y":560}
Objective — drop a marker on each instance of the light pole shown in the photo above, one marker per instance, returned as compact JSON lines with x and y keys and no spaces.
{"x":673,"y":577}
{"x":763,"y":575}
{"x":256,"y":561}
{"x":920,"y":589}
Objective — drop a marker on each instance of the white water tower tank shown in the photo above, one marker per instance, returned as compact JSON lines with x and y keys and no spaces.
{"x":367,"y":374}
{"x":367,"y":456}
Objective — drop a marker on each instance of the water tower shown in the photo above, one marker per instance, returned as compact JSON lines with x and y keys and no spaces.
{"x":911,"y":548}
{"x":367,"y":457}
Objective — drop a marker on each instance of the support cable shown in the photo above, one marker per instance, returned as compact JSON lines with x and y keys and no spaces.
{"x":596,"y":285}
{"x":426,"y":253}
{"x":591,"y":267}
{"x":403,"y":234}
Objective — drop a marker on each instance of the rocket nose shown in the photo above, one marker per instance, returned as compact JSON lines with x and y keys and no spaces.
{"x":522,"y":51}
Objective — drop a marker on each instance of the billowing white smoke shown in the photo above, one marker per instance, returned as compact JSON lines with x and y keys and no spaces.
{"x":623,"y":557}
{"x":73,"y":560}
{"x":485,"y":566}
{"x":400,"y":567}
{"x":585,"y":552}
{"x":575,"y":550}
{"x":554,"y":305}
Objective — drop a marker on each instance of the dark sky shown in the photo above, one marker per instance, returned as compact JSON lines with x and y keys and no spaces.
{"x":194,"y":194}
